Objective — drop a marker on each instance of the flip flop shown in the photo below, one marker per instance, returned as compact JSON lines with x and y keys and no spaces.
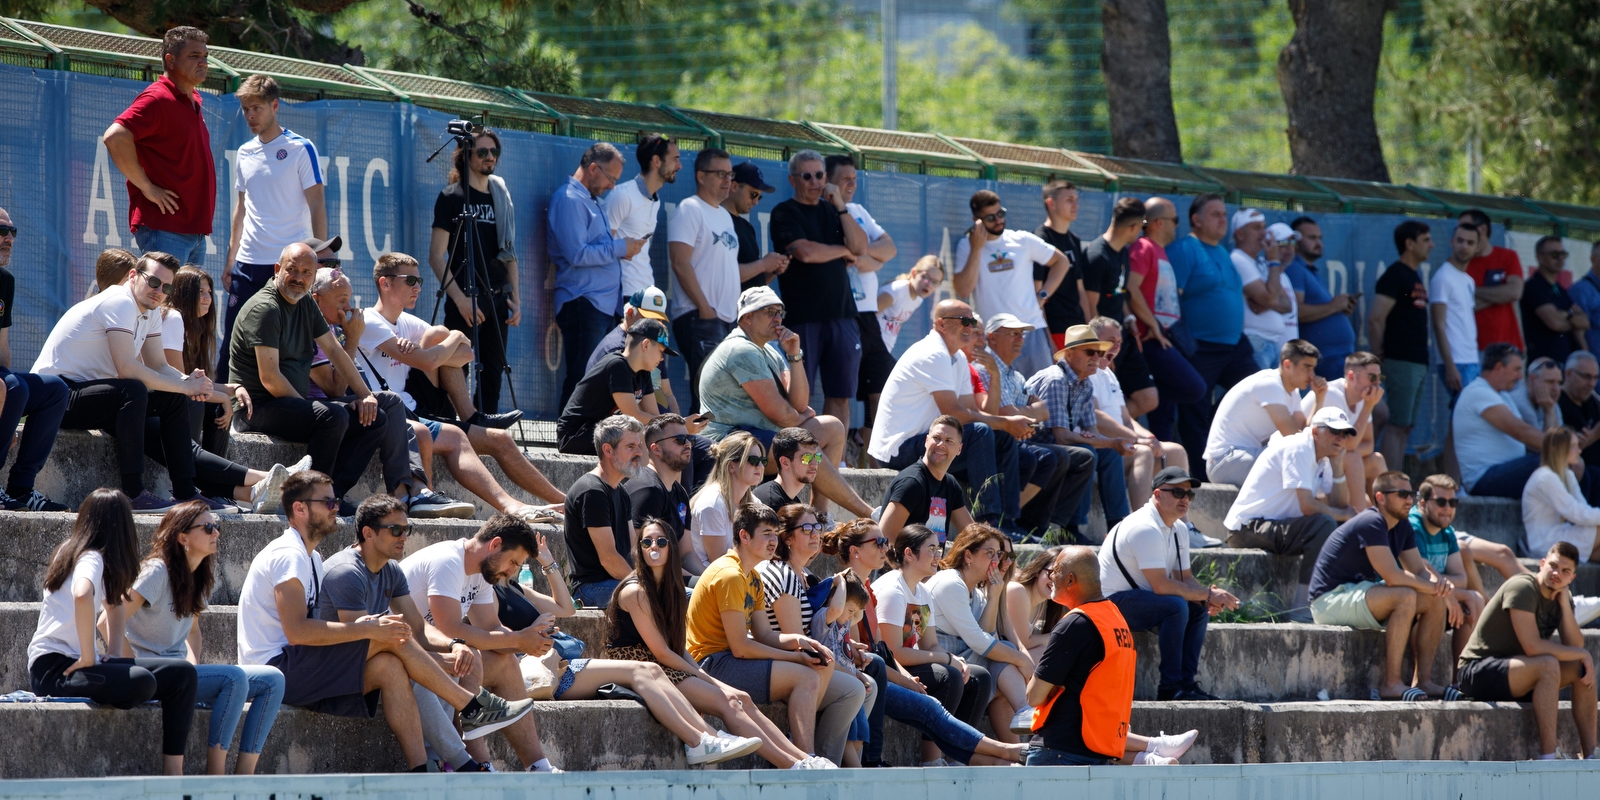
{"x":1411,"y":695}
{"x":1452,"y":694}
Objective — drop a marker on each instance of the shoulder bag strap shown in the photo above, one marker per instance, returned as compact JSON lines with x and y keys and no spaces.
{"x":1111,"y":542}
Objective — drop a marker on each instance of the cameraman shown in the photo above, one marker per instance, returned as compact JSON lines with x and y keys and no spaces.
{"x":484,"y":197}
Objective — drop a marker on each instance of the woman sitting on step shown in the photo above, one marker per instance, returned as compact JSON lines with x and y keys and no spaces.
{"x":1553,"y":506}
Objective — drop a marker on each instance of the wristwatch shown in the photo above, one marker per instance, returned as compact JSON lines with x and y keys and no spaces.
{"x":1044,"y":295}
{"x":795,"y":358}
{"x":458,"y":641}
{"x":844,"y":211}
{"x":554,"y":565}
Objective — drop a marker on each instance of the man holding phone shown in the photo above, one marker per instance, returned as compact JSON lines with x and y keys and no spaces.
{"x":704,"y":248}
{"x":1324,"y":318}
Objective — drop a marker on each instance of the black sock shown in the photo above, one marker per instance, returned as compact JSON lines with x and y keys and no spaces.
{"x":471,"y":708}
{"x":419,"y":768}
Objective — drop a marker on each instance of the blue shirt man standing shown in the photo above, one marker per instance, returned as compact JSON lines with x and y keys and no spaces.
{"x":1324,"y":317}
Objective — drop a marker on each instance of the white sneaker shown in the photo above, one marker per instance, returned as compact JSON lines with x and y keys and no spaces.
{"x":938,"y":762}
{"x":1173,"y":746}
{"x":1585,"y":609}
{"x":818,"y":762}
{"x":266,"y":497}
{"x":1022,"y":721}
{"x":1148,"y":759}
{"x":714,"y":749}
{"x":300,"y":466}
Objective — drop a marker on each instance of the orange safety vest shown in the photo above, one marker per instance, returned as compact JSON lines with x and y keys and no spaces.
{"x":1107,"y":698}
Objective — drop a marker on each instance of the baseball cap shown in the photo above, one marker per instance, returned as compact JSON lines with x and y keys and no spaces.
{"x":749,"y":174}
{"x":1281,"y":233}
{"x":1004,"y":320}
{"x":1174,"y":475}
{"x":650,"y":302}
{"x":1245,"y":216}
{"x":335,"y":244}
{"x":653,"y":330}
{"x":757,"y":298}
{"x":1332,"y":418}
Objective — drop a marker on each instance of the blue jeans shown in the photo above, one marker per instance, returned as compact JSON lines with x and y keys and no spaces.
{"x":957,"y":739}
{"x":43,"y":400}
{"x":1219,"y":366}
{"x":1040,"y":756}
{"x":872,"y":747}
{"x":188,"y":248}
{"x":596,"y":595}
{"x":582,"y":327}
{"x":1331,"y":365}
{"x":1506,"y":478}
{"x":225,"y":688}
{"x":1468,"y":372}
{"x":1180,"y":628}
{"x":1037,"y":352}
{"x":1113,"y":489}
{"x":1062,"y":489}
{"x":985,"y":453}
{"x":1035,"y":464}
{"x":1265,"y":351}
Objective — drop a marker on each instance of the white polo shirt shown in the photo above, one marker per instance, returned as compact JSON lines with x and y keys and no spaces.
{"x":77,"y":349}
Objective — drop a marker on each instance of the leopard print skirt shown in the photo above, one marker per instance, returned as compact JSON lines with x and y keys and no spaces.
{"x":638,"y":652}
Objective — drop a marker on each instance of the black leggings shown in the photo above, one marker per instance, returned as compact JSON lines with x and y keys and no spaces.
{"x":964,"y":701}
{"x":125,"y":683}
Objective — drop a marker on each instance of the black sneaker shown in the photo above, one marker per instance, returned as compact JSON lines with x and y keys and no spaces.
{"x":35,"y":501}
{"x":505,"y":420}
{"x":345,"y":509}
{"x":217,"y":505}
{"x":1168,"y":693}
{"x":1195,"y":694}
{"x":432,"y":505}
{"x":147,"y":503}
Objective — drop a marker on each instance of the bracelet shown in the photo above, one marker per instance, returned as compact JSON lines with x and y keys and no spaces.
{"x":947,"y":660}
{"x":554,"y":565}
{"x":1339,"y":480}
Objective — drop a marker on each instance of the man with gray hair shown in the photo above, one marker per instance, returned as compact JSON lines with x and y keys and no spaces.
{"x":1580,"y":408}
{"x":599,"y":512}
{"x":821,"y":238}
{"x":587,"y":258}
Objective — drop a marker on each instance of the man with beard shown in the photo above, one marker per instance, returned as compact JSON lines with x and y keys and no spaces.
{"x":634,"y":207}
{"x":995,"y":267}
{"x":704,"y":247}
{"x":658,"y":492}
{"x":798,"y":456}
{"x":599,"y":513}
{"x":41,"y":398}
{"x":452,"y":583}
{"x":273,"y":347}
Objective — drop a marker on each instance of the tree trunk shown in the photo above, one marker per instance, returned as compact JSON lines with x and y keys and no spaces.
{"x":1136,"y":57}
{"x":1328,"y":73}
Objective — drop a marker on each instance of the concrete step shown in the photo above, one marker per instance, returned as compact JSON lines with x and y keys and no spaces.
{"x":1494,"y":518}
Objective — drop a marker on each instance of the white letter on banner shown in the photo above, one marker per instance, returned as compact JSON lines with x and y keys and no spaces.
{"x":100,"y":202}
{"x":342,"y":164}
{"x":1338,"y":277}
{"x":764,"y":219}
{"x":374,"y":166}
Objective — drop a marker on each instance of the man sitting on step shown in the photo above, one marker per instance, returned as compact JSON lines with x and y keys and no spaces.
{"x":1265,"y":403}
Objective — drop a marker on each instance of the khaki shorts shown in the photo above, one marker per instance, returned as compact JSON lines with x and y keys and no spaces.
{"x":1346,"y":605}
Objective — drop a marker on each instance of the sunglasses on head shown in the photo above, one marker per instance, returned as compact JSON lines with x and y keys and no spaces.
{"x":755,"y":461}
{"x":808,"y":527}
{"x":811,"y":176}
{"x":410,"y":280}
{"x":1178,"y":494}
{"x":155,"y":283}
{"x":1445,"y":502}
{"x":680,"y":439}
{"x":8,"y":230}
{"x":661,"y":542}
{"x":209,"y":527}
{"x":398,"y":530}
{"x":966,"y":322}
{"x":485,"y":152}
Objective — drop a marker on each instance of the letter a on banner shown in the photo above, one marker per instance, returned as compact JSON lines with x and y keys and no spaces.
{"x":100,"y":201}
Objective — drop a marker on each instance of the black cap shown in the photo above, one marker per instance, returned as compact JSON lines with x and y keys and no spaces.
{"x":749,"y":174}
{"x":653,"y":330}
{"x":1174,"y":475}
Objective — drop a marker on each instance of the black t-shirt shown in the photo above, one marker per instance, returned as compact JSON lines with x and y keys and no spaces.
{"x":771,"y":493}
{"x":1062,"y":310}
{"x":1104,"y":271}
{"x":652,"y":498}
{"x":8,"y":293}
{"x":1074,"y":649}
{"x":1344,"y":557}
{"x":812,"y":292}
{"x":749,"y":250}
{"x":593,"y":504}
{"x":931,"y":502}
{"x":1405,"y":330}
{"x":1577,"y":417}
{"x":447,"y":208}
{"x":1541,"y":340}
{"x":592,"y":401}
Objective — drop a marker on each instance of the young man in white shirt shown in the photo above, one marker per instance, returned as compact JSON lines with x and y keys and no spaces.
{"x":1356,"y":394}
{"x":340,"y":668}
{"x":279,"y":202}
{"x":1493,"y":442}
{"x":1280,"y":508}
{"x":994,"y":266}
{"x":876,"y":361}
{"x":1450,"y":302}
{"x":1267,"y":292}
{"x":1265,"y":403}
{"x":1145,"y":570}
{"x":705,"y":266}
{"x":634,"y":207}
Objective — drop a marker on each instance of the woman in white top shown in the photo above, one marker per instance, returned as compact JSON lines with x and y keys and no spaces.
{"x":739,"y":467}
{"x":966,"y":609}
{"x":100,"y":560}
{"x":900,"y":299}
{"x":160,"y":613}
{"x":1553,"y":508}
{"x":189,"y":339}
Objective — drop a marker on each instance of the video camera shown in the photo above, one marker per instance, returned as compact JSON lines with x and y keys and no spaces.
{"x":464,"y":131}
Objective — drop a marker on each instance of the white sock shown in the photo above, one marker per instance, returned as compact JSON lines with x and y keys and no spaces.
{"x":1548,"y":757}
{"x":1150,"y":745}
{"x":541,"y":764}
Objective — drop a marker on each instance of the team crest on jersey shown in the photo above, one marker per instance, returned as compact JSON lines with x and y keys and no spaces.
{"x":282,"y":154}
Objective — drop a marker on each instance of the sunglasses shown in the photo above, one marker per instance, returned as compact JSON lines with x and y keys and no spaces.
{"x":775,"y":312}
{"x":811,"y":176}
{"x":1558,"y":254}
{"x":681,"y":439}
{"x":209,"y":527}
{"x":808,"y":527}
{"x":410,"y":280}
{"x":719,"y":174}
{"x":1403,"y":494}
{"x":1446,"y":502}
{"x":1179,"y":494}
{"x":331,"y":502}
{"x":8,"y":230}
{"x":155,"y":283}
{"x":966,"y":322}
{"x":485,"y":152}
{"x":810,"y":458}
{"x":398,"y":530}
{"x":881,"y":541}
{"x":660,"y":542}
{"x":756,"y":461}
{"x":996,"y":216}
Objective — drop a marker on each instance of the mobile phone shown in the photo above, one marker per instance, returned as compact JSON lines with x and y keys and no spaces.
{"x":648,"y":235}
{"x":705,"y":416}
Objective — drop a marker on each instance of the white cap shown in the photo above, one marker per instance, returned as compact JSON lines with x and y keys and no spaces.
{"x":757,"y":298}
{"x":1245,"y":216}
{"x":650,"y":302}
{"x":1004,"y":320}
{"x":1332,"y":418}
{"x":1281,"y":233}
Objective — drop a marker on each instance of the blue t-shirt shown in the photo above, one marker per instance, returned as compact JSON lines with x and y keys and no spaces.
{"x":1344,"y":558}
{"x":1333,"y":334}
{"x":1585,"y":294}
{"x":1209,"y":290}
{"x":1435,"y":548}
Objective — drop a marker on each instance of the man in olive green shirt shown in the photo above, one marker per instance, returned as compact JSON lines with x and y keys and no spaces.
{"x":1511,"y":658}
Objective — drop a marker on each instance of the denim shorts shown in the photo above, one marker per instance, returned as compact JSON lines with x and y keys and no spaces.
{"x":569,"y":675}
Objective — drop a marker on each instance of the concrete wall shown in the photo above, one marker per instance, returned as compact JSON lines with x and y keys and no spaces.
{"x":1494,"y":518}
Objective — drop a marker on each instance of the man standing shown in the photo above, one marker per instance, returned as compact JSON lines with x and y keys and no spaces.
{"x":822,"y":240}
{"x":1068,"y":395}
{"x":705,"y":266}
{"x":161,"y":145}
{"x":876,"y":361}
{"x":994,"y":266}
{"x":1498,"y":273}
{"x":1068,"y":305}
{"x":587,"y":258}
{"x":1145,"y":567}
{"x":40,"y":398}
{"x":475,"y":196}
{"x":634,"y":207}
{"x":1369,"y":576}
{"x":1585,"y":293}
{"x":599,"y":513}
{"x":1152,"y":294}
{"x":1511,"y":658}
{"x":1324,"y":317}
{"x":1268,"y":293}
{"x":280,"y":201}
{"x":1212,"y":300}
{"x":798,"y":457}
{"x":748,"y":187}
{"x":1105,"y":270}
{"x":925,"y":493}
{"x":1553,"y":324}
{"x":1397,"y":332}
{"x":1265,"y":403}
{"x":1450,"y":299}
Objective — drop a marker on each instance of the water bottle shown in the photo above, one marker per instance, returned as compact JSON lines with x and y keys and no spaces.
{"x":525,"y":577}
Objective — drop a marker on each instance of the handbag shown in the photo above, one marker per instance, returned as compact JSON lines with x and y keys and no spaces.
{"x":569,"y":646}
{"x":611,"y":691}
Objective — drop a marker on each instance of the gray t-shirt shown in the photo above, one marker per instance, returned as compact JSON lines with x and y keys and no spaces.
{"x":735,"y":362}
{"x":348,"y":585}
{"x":154,"y":630}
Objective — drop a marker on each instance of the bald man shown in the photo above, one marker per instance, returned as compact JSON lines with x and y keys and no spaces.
{"x":1152,"y":293}
{"x":932,"y":378}
{"x":274,"y":344}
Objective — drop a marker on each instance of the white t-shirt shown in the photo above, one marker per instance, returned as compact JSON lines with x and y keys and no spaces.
{"x":710,"y":518}
{"x":1454,"y":289}
{"x":1288,"y":464}
{"x":57,"y":631}
{"x":440,"y":569}
{"x":1480,"y":445}
{"x":1108,"y":395}
{"x":907,"y":407}
{"x":77,"y":349}
{"x":632,"y":215}
{"x":865,"y":284}
{"x":1335,"y":398}
{"x":172,"y":331}
{"x":379,"y":330}
{"x":1242,"y":421}
{"x":709,"y":230}
{"x":895,"y":602}
{"x":1269,"y":324}
{"x":1005,"y":275}
{"x":261,"y":636}
{"x":902,"y":305}
{"x":1143,"y":541}
{"x":956,"y":610}
{"x":274,"y":178}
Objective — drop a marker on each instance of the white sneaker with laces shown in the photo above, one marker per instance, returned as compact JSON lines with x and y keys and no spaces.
{"x":1149,"y":759}
{"x":1173,"y":746}
{"x":1022,"y":721}
{"x":715,"y":749}
{"x":266,"y":497}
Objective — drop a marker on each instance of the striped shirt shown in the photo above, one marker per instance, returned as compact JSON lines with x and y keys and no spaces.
{"x":779,"y":579}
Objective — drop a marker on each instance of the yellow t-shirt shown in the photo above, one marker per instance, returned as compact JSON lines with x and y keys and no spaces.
{"x":724,"y":586}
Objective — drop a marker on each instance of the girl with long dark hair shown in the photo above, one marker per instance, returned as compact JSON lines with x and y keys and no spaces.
{"x":189,"y":339}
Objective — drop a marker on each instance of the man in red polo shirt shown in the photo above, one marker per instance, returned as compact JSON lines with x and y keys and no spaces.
{"x":1498,"y":273}
{"x":161,"y":145}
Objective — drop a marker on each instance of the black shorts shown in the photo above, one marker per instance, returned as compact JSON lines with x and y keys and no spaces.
{"x":832,"y":355}
{"x":327,"y":679}
{"x":876,"y":362}
{"x":433,"y":402}
{"x":1133,"y":372}
{"x":1489,"y":680}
